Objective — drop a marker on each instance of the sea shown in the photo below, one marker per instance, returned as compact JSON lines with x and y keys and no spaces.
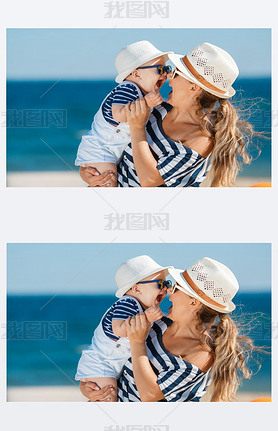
{"x":46,"y":119}
{"x":46,"y":334}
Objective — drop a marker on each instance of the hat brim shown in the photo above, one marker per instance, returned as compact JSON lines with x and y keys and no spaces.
{"x":120,"y":292}
{"x":178,"y":277}
{"x":120,"y":78}
{"x":176,"y":59}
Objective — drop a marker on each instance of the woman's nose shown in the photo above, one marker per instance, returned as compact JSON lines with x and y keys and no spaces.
{"x":172,"y":289}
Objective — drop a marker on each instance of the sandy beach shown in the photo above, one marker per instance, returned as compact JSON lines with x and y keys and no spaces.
{"x":72,"y":179}
{"x":72,"y":393}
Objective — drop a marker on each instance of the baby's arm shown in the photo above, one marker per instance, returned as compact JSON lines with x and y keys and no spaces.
{"x":118,"y":113}
{"x":152,"y":99}
{"x":152,"y":314}
{"x":118,"y":327}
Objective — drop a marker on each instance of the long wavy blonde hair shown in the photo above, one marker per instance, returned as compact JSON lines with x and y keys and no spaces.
{"x":230,"y":137}
{"x":220,"y":335}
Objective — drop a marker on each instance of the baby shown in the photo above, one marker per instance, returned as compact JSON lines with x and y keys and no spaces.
{"x":141,"y":73}
{"x":141,"y":288}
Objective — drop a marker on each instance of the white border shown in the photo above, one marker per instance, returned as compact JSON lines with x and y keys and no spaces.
{"x":46,"y":215}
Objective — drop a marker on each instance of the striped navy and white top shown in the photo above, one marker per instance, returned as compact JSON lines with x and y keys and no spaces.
{"x":178,"y":165}
{"x":178,"y":379}
{"x":120,"y":95}
{"x":122,"y":309}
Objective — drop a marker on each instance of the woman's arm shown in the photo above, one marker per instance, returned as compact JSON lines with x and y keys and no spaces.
{"x":145,"y":378}
{"x":145,"y":164}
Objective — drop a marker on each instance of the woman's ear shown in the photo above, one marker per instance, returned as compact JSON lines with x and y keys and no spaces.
{"x":194,"y":302}
{"x":195,"y":88}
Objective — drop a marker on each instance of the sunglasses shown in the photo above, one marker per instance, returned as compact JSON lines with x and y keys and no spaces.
{"x":159,"y":68}
{"x":175,"y":287}
{"x":177,"y":72}
{"x":160,"y":284}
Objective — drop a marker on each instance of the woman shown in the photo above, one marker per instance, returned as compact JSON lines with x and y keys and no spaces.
{"x":197,"y":345}
{"x":197,"y":130}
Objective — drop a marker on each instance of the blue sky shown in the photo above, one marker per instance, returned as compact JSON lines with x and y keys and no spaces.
{"x":89,"y":53}
{"x":90,"y":268}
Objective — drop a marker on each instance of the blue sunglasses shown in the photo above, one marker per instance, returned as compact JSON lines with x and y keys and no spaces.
{"x":159,"y":68}
{"x":160,"y":284}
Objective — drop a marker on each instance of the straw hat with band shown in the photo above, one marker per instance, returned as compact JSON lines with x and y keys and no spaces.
{"x":212,"y":68}
{"x":134,"y":55}
{"x":134,"y":270}
{"x":209,"y":281}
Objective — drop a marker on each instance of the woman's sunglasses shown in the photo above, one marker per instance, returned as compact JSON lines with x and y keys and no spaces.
{"x":159,"y":68}
{"x":175,"y":287}
{"x":160,"y":284}
{"x":177,"y":72}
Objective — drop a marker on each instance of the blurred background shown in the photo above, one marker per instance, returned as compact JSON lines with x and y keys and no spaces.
{"x":57,"y":294}
{"x":57,"y":79}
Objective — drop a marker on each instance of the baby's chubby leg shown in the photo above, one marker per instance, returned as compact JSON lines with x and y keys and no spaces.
{"x":105,"y":381}
{"x":103,"y":167}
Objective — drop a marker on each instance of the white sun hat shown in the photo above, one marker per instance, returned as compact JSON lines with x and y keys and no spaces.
{"x":134,"y":270}
{"x":209,"y":66}
{"x":134,"y":55}
{"x":211,"y":282}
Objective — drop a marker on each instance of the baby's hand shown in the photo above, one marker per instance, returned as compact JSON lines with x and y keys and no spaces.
{"x":153,"y":99}
{"x":153,"y":313}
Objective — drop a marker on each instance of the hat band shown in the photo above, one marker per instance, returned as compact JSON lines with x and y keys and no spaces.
{"x":200,"y":77}
{"x":199,"y":291}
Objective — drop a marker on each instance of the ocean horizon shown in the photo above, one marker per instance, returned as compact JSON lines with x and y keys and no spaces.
{"x":46,"y":334}
{"x":46,"y":119}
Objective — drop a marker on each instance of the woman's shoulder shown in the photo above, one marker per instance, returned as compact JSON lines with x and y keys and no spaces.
{"x":200,"y":143}
{"x":201,"y":358}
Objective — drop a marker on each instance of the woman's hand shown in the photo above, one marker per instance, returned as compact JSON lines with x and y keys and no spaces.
{"x":93,"y":392}
{"x":137,"y":113}
{"x":94,"y":178}
{"x":137,"y":328}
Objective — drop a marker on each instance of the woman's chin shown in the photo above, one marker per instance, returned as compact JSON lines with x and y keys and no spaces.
{"x":169,"y":98}
{"x":170,"y":311}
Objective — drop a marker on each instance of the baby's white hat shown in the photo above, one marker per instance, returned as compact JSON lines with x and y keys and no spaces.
{"x":134,"y":270}
{"x":134,"y":55}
